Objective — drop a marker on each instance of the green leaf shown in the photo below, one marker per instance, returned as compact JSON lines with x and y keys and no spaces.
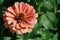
{"x":39,"y":3}
{"x":58,"y":1}
{"x":55,"y":36}
{"x":58,"y":11}
{"x":54,"y":2}
{"x":36,"y":39}
{"x":51,"y":16}
{"x":19,"y":37}
{"x":30,"y":39}
{"x":44,"y":33}
{"x":7,"y":38}
{"x":1,"y":1}
{"x":45,"y":22}
{"x":48,"y":4}
{"x":28,"y":0}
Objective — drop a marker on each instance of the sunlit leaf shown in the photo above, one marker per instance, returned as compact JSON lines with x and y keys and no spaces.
{"x":55,"y":36}
{"x":1,"y":1}
{"x":7,"y":38}
{"x":58,"y":11}
{"x":19,"y":37}
{"x":28,"y":0}
{"x":45,"y":22}
{"x":30,"y":39}
{"x":51,"y":16}
{"x":58,"y":1}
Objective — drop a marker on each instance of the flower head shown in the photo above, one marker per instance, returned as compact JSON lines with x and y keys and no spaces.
{"x":20,"y":18}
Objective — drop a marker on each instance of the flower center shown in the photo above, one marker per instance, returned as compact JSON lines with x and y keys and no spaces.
{"x":19,"y":17}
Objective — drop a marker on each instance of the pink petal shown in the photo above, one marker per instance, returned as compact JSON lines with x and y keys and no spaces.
{"x":9,"y":18}
{"x":21,"y":6}
{"x":9,"y":14}
{"x":22,"y":31}
{"x":36,"y":15}
{"x":34,"y":21}
{"x":14,"y":23}
{"x":31,"y":26}
{"x":16,"y":5}
{"x":23,"y":24}
{"x":30,"y":10}
{"x":11,"y":10}
{"x":9,"y":22}
{"x":14,"y":28}
{"x":26,"y":7}
{"x":18,"y":27}
{"x":29,"y":30}
{"x":18,"y":32}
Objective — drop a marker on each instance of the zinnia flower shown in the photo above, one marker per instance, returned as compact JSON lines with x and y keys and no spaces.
{"x":20,"y":18}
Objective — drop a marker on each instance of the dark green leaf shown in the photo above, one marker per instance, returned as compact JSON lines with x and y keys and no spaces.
{"x":48,"y":5}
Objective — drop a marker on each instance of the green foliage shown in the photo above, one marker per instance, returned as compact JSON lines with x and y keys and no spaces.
{"x":47,"y":4}
{"x":7,"y":38}
{"x":1,"y":1}
{"x":45,"y":22}
{"x":48,"y":19}
{"x":55,"y":36}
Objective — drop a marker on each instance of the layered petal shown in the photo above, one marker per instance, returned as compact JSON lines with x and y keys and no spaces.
{"x":20,"y":18}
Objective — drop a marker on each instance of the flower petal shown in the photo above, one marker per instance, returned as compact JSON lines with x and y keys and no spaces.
{"x":18,"y":27}
{"x":11,"y":10}
{"x":16,"y":5}
{"x":9,"y":18}
{"x":9,"y":14}
{"x":22,"y":12}
{"x":19,"y":32}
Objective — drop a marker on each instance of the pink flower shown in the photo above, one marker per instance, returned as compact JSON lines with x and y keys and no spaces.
{"x":20,"y":17}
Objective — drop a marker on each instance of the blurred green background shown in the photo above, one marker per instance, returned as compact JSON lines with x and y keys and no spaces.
{"x":48,"y":20}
